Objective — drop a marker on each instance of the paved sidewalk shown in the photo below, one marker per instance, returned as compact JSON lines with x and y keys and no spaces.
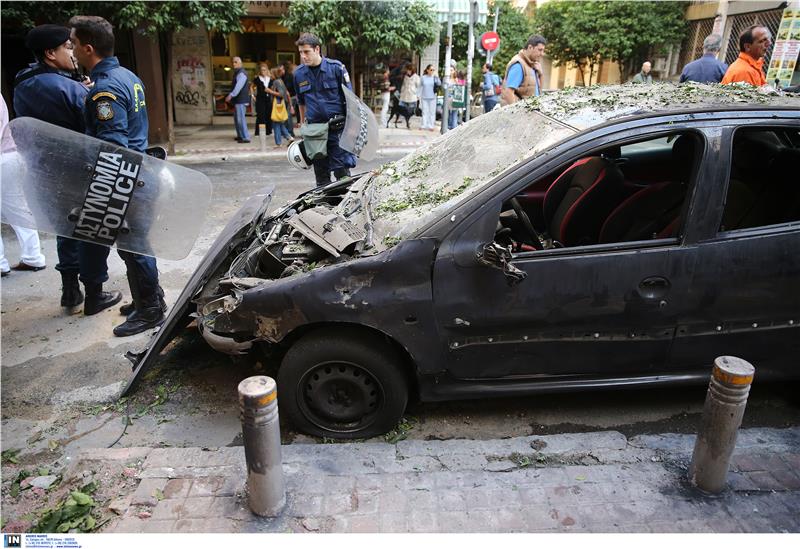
{"x":593,"y":482}
{"x":202,"y":143}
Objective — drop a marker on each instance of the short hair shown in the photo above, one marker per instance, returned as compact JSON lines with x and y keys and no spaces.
{"x":96,"y":32}
{"x":410,"y":67}
{"x":713,"y":42}
{"x":488,"y":66}
{"x":308,"y":39}
{"x":535,"y":39}
{"x":747,"y":36}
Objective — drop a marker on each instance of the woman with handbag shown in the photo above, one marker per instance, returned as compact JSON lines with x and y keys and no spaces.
{"x":281,"y":108}
{"x":263,"y":99}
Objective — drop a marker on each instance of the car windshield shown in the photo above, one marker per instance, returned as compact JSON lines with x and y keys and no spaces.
{"x":405,"y":195}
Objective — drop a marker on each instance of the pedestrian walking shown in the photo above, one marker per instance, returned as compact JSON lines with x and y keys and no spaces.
{"x":115,"y":111}
{"x":239,"y":96}
{"x":13,"y":202}
{"x":409,"y":93}
{"x":523,"y":76}
{"x":281,"y":108}
{"x":749,"y":66}
{"x":708,"y":69}
{"x":263,"y":99}
{"x":455,"y":115}
{"x":50,"y":90}
{"x":490,"y":88}
{"x":287,"y":75}
{"x":318,"y":86}
{"x":429,"y":83}
{"x":643,"y":76}
{"x":386,"y":98}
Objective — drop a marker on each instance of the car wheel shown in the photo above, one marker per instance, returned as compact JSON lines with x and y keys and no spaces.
{"x":342,"y":385}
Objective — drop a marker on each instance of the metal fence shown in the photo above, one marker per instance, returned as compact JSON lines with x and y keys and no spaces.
{"x":692,"y":46}
{"x":738,"y":23}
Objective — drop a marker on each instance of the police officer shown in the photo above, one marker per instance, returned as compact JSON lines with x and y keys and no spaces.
{"x":50,"y":90}
{"x":318,"y":87}
{"x":115,"y":111}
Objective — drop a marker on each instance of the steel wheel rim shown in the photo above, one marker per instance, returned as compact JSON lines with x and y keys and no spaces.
{"x":340,"y":396}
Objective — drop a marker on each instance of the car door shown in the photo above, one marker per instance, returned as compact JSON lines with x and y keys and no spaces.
{"x":596,"y":311}
{"x":745,"y":293}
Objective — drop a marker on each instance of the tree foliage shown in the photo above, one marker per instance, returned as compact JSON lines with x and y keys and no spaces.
{"x":374,"y":28}
{"x":584,"y":33}
{"x":151,"y":17}
{"x":513,"y":26}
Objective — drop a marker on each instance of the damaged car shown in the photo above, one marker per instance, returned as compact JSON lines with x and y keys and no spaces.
{"x":618,"y":236}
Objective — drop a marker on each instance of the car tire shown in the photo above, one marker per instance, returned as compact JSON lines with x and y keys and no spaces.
{"x":339,"y":384}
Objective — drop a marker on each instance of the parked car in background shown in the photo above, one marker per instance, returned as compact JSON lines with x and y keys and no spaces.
{"x":619,"y":236}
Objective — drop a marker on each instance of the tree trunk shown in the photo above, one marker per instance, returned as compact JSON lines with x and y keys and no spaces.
{"x":166,"y":38}
{"x":353,"y":70}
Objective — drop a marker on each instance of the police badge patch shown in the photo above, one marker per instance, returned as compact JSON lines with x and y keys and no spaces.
{"x":105,"y":111}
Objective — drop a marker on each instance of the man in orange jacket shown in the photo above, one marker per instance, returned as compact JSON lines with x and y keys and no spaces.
{"x":753,"y":45}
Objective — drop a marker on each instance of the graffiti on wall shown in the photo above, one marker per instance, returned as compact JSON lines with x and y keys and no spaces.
{"x":192,"y":73}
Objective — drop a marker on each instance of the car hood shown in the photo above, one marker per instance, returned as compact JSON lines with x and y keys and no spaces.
{"x":241,"y":227}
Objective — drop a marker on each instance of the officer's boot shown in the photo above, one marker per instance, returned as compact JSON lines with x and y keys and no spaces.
{"x":147,"y":314}
{"x":98,"y":300}
{"x":71,"y":295}
{"x":128,"y":308}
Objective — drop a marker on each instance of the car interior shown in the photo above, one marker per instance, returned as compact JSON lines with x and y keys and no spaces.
{"x":764,"y":185}
{"x":622,"y":193}
{"x":637,"y":191}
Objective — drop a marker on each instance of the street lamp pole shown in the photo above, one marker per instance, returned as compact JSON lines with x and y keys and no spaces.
{"x":446,"y":75}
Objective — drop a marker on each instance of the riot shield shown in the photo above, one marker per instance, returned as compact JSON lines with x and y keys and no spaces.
{"x":360,"y":135}
{"x":66,"y":183}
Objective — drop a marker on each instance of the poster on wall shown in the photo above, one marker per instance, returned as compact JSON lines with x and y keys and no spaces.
{"x":785,"y":53}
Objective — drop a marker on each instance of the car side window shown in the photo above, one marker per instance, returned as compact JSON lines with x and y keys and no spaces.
{"x":763,"y":185}
{"x":634,"y":191}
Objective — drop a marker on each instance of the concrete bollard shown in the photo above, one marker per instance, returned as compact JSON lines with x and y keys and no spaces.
{"x":262,"y":137}
{"x":722,"y":415}
{"x":258,"y":403}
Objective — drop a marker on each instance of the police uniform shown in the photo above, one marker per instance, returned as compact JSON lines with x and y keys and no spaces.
{"x":319,"y":90}
{"x":57,"y":97}
{"x":116,"y":112}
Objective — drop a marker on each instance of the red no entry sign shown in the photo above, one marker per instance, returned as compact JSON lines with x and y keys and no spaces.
{"x":490,"y":40}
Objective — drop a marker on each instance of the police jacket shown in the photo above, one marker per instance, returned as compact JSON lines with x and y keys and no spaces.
{"x":320,"y":90}
{"x":115,"y":107}
{"x":50,"y":95}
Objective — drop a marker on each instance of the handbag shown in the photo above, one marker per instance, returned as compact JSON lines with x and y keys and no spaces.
{"x":279,"y":112}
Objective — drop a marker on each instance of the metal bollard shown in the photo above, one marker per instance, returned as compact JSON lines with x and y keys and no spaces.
{"x":722,"y":415}
{"x":258,"y":403}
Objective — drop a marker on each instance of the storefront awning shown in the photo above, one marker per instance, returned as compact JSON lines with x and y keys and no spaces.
{"x":460,"y":10}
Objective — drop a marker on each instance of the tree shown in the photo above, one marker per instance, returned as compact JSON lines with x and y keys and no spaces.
{"x":156,"y":19}
{"x":513,"y":26}
{"x":365,"y":28}
{"x":585,"y":33}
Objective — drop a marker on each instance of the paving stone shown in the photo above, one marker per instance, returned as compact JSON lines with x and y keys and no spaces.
{"x":366,"y":502}
{"x":788,"y":480}
{"x":393,"y":523}
{"x":421,"y":499}
{"x":176,"y":488}
{"x":154,"y":526}
{"x":304,"y":505}
{"x":129,"y":525}
{"x":392,"y":502}
{"x":364,"y":524}
{"x":339,"y":504}
{"x":740,"y":482}
{"x":208,"y":486}
{"x":451,"y":500}
{"x":421,"y":521}
{"x":149,"y":491}
{"x":233,"y":508}
{"x":206,"y":525}
{"x":182,"y":508}
{"x":764,"y":480}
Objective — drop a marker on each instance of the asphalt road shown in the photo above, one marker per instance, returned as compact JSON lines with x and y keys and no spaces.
{"x":60,"y":372}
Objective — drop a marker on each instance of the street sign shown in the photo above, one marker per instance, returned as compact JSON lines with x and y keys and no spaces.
{"x":490,"y":41}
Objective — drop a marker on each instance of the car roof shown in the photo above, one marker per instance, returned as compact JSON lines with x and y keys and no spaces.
{"x":588,"y":107}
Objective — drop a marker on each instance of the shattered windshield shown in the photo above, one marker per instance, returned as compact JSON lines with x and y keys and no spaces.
{"x":405,"y":195}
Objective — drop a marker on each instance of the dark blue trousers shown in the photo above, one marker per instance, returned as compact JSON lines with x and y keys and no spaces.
{"x":88,"y":260}
{"x":144,"y":270}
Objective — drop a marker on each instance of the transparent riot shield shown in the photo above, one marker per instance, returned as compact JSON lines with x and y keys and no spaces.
{"x":66,"y":183}
{"x":360,"y":135}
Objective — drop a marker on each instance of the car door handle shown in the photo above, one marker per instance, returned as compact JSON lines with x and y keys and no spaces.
{"x":654,"y":287}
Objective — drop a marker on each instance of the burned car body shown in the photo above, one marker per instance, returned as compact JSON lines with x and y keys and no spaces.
{"x":598,"y":237}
